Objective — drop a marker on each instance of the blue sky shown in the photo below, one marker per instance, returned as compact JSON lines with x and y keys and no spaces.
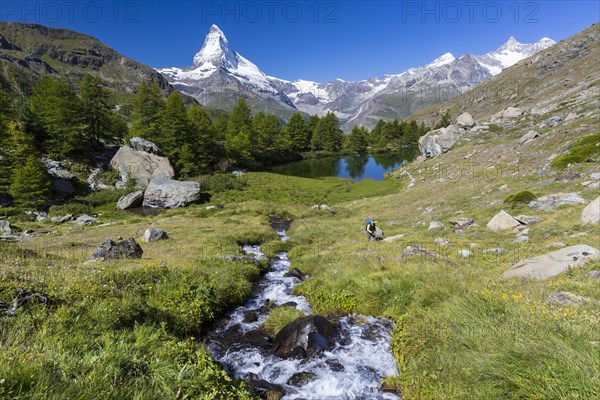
{"x":314,"y":40}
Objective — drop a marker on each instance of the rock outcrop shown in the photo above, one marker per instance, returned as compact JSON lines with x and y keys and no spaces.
{"x":169,"y":193}
{"x":551,"y":201}
{"x":554,"y":263}
{"x":154,"y":235}
{"x":303,"y":337}
{"x":140,"y":144}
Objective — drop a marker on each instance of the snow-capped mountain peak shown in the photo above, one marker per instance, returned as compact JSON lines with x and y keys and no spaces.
{"x":510,"y":53}
{"x":215,"y":50}
{"x":444,"y":59}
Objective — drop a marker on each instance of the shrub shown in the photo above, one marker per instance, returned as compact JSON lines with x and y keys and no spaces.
{"x":584,"y":149}
{"x":280,"y":317}
{"x":221,"y":182}
{"x":71,"y":208}
{"x":524,"y":197}
{"x":493,"y":128}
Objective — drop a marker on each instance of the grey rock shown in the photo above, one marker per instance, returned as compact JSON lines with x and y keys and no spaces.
{"x":131,"y":200}
{"x":59,"y":219}
{"x":439,"y":141}
{"x":323,"y":207}
{"x":435,"y":225}
{"x":567,"y":177}
{"x":75,"y":229}
{"x":494,"y":250}
{"x":5,"y":228}
{"x":441,"y":241}
{"x":139,"y":144}
{"x":85,"y":220}
{"x":552,"y":121}
{"x":551,"y":201}
{"x":594,"y":275}
{"x":461,"y":222}
{"x":567,"y":299}
{"x":512,"y":112}
{"x":62,"y":186}
{"x":556,"y":245}
{"x":109,"y":250}
{"x":522,"y":239}
{"x":465,"y":253}
{"x":571,"y":116}
{"x":393,"y":238}
{"x":591,"y":213}
{"x":502,"y":221}
{"x":465,"y":121}
{"x":528,"y":136}
{"x":169,"y":193}
{"x":527,"y":219}
{"x":554,"y":263}
{"x":295,"y":273}
{"x":238,"y":172}
{"x":304,"y":336}
{"x":142,"y":166}
{"x":595,"y":176}
{"x":56,"y":169}
{"x":154,"y":235}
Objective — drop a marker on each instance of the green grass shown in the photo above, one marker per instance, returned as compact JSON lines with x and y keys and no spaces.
{"x":584,"y":149}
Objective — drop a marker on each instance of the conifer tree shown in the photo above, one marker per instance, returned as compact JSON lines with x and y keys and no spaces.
{"x":357,"y":140}
{"x":174,"y":126}
{"x":146,"y":109}
{"x":297,"y":134}
{"x":328,"y":136}
{"x":203,"y":149}
{"x":96,"y":110}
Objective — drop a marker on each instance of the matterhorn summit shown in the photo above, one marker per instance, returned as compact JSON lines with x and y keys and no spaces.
{"x":221,"y":75}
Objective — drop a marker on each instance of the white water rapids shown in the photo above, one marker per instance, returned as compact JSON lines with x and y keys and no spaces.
{"x":352,"y":369}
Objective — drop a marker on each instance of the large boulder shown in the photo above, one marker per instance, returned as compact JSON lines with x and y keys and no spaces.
{"x":465,"y":121}
{"x":85,"y":220}
{"x":56,"y":169}
{"x":140,"y":144}
{"x":169,"y":193}
{"x":512,"y":112}
{"x":303,"y":337}
{"x":5,"y":228}
{"x":131,"y":200}
{"x":142,"y":166}
{"x":554,"y":263}
{"x":529,"y":136}
{"x":591,"y":214}
{"x":551,"y":201}
{"x":62,"y":186}
{"x":502,"y":222}
{"x":439,"y":141}
{"x":110,"y":250}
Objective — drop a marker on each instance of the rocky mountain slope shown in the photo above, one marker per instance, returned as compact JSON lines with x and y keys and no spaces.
{"x":29,"y":50}
{"x":219,"y":76}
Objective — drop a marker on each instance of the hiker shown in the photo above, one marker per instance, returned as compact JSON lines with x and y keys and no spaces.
{"x":371,"y":228}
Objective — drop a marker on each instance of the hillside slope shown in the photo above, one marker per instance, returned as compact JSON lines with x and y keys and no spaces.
{"x":29,"y":50}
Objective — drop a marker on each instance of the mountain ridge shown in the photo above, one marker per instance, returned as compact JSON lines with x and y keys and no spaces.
{"x":217,"y":69}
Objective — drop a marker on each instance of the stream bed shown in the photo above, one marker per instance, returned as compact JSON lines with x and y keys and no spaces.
{"x":351,"y":368}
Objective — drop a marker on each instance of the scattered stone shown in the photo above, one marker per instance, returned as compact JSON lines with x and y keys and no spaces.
{"x":435,"y":225}
{"x":527,"y":220}
{"x":154,"y":235}
{"x":59,"y":219}
{"x":556,"y":245}
{"x":461,"y":222}
{"x":552,"y":121}
{"x":143,"y":167}
{"x":567,"y":177}
{"x":85,"y":220}
{"x":295,"y":273}
{"x":591,"y":185}
{"x":110,"y":250}
{"x":522,"y":239}
{"x":465,"y":253}
{"x":567,"y":299}
{"x":238,"y":172}
{"x":554,"y":263}
{"x":323,"y":207}
{"x":169,"y":193}
{"x":420,"y":158}
{"x":529,"y":136}
{"x":441,"y":241}
{"x":495,"y":250}
{"x":210,"y":207}
{"x":474,"y":245}
{"x":131,"y":200}
{"x":108,"y":224}
{"x":504,"y":188}
{"x":416,"y":250}
{"x":56,"y":169}
{"x":502,"y":222}
{"x":139,"y":144}
{"x":465,"y":120}
{"x":591,"y":213}
{"x":512,"y":112}
{"x":393,"y":238}
{"x":595,"y":176}
{"x":303,"y":337}
{"x":551,"y":201}
{"x":571,"y":116}
{"x":594,"y":275}
{"x":75,"y":229}
{"x":264,"y":389}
